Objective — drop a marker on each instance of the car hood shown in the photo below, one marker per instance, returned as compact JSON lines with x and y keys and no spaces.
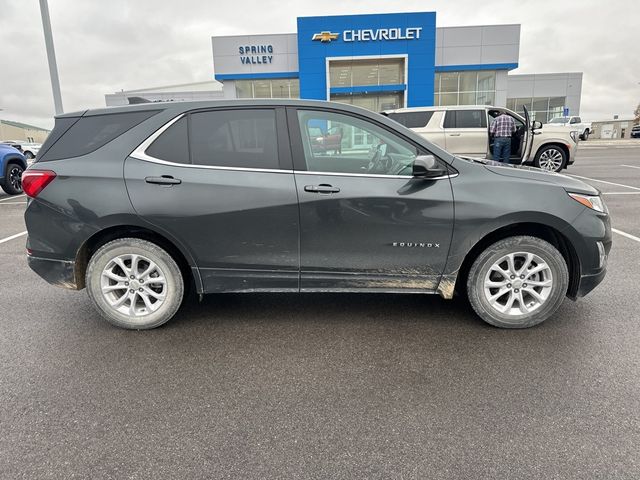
{"x":531,"y":173}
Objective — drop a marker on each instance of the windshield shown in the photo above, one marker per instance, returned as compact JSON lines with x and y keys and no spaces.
{"x":559,"y":120}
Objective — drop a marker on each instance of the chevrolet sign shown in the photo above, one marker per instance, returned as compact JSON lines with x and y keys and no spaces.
{"x":365,"y":35}
{"x":325,"y":36}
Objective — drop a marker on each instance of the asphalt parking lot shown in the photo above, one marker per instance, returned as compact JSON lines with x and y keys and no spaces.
{"x":323,"y":385}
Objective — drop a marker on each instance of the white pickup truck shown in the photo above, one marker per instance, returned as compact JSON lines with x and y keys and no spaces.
{"x":576,"y":123}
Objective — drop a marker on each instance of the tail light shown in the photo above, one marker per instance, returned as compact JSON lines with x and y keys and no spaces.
{"x":34,"y":181}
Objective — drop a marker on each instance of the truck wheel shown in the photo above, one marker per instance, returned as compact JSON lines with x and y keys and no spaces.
{"x":550,"y":158}
{"x":585,"y":135}
{"x":517,"y":282}
{"x":13,"y":179}
{"x":134,"y":284}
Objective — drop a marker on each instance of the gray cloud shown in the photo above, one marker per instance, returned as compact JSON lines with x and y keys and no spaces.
{"x":103,"y":47}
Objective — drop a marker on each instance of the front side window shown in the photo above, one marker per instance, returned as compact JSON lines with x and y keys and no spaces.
{"x":337,"y":143}
{"x":234,"y":138}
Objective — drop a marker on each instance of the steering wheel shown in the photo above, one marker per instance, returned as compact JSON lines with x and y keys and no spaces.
{"x":379,"y":163}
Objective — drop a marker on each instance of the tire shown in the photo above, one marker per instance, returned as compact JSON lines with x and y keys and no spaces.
{"x":585,"y":135}
{"x":485,"y":282}
{"x":29,"y":155}
{"x":550,"y":158}
{"x":162,"y":300}
{"x":12,"y":183}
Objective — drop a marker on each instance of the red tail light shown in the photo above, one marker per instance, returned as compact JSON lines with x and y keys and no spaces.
{"x":34,"y":181}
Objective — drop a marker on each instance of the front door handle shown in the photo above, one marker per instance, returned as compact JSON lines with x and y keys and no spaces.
{"x":454,"y":134}
{"x":163,"y":180}
{"x":322,"y":188}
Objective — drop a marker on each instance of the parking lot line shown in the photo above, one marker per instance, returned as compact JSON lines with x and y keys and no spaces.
{"x":604,"y":181}
{"x":630,"y":166}
{"x":12,"y":198}
{"x":620,"y":193}
{"x":625,"y":234}
{"x":24,"y":203}
{"x":3,"y":240}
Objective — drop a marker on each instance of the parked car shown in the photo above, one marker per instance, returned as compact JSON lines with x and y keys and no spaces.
{"x":137,"y":203}
{"x":29,"y":149}
{"x":12,"y":164}
{"x":464,"y":130}
{"x":574,"y":123}
{"x":635,"y":132}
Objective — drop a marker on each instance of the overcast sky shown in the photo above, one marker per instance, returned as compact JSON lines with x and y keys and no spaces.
{"x":105,"y":46}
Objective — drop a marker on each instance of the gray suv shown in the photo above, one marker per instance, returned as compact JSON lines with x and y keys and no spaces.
{"x":139,"y":203}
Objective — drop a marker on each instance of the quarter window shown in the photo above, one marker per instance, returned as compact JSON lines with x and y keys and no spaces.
{"x":338,"y":143}
{"x":234,"y":138}
{"x":172,"y":144}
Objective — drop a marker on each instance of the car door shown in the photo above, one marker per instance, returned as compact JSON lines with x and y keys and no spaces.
{"x":221,"y":182}
{"x":365,"y":222}
{"x":465,"y":132}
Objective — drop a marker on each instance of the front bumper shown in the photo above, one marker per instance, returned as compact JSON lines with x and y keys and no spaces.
{"x":61,"y":273}
{"x":589,"y":282}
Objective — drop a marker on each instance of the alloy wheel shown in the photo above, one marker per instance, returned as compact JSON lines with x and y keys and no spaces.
{"x":133,"y":285}
{"x":551,"y":160}
{"x":518,"y":283}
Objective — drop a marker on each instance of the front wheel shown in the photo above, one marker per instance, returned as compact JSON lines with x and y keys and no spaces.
{"x":13,"y":179}
{"x":550,"y":158}
{"x":517,"y":282}
{"x":585,"y":135}
{"x":134,"y":283}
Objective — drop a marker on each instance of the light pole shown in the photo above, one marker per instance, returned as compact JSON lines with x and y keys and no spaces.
{"x":51,"y":57}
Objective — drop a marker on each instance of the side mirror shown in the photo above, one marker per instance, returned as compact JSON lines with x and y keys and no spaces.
{"x":537,"y":125}
{"x":426,"y":166}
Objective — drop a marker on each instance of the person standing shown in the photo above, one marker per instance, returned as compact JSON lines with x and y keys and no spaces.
{"x":502,"y":128}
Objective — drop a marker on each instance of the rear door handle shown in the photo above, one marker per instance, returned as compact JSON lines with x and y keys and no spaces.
{"x":322,"y":188}
{"x":163,"y":180}
{"x":454,"y":134}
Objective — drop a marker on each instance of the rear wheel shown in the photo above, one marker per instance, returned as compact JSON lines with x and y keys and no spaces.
{"x":13,"y":179}
{"x":518,"y":282}
{"x":29,"y":155}
{"x":134,"y":283}
{"x":550,"y":158}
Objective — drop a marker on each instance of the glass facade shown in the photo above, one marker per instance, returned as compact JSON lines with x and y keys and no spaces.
{"x":542,"y":109}
{"x":376,"y":71}
{"x":268,"y":88}
{"x":376,"y":102}
{"x":465,"y":88}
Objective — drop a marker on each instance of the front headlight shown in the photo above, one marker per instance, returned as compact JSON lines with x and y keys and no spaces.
{"x":593,"y":202}
{"x":574,"y":135}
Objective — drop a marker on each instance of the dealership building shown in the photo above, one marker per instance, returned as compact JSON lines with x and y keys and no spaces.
{"x":379,"y":62}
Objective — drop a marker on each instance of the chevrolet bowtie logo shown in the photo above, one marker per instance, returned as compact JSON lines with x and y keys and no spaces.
{"x":325,"y":36}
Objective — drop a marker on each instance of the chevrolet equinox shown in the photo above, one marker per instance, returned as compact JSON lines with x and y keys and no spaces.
{"x":138,"y":203}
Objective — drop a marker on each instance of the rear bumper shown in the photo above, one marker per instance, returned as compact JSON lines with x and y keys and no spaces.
{"x":60,"y":273}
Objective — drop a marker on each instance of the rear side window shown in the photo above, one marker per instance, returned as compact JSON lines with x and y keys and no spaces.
{"x":412,"y":119}
{"x":90,"y":133}
{"x":234,"y":138}
{"x":172,"y":145}
{"x":465,"y":119}
{"x":60,"y":128}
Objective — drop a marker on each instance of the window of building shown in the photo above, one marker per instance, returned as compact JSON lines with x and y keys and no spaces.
{"x":542,"y":109}
{"x":376,"y":71}
{"x":376,"y":102}
{"x":465,"y":88}
{"x":268,"y":88}
{"x":234,"y":138}
{"x":338,"y":143}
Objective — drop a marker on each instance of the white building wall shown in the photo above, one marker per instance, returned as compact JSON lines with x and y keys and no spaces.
{"x":486,"y":44}
{"x":567,"y":85}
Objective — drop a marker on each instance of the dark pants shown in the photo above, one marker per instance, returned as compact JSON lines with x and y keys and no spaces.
{"x":502,"y":149}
